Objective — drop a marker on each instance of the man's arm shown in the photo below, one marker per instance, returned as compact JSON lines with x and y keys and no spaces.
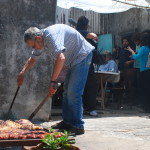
{"x":131,"y":50}
{"x":59,"y":63}
{"x":29,"y":63}
{"x":127,"y":63}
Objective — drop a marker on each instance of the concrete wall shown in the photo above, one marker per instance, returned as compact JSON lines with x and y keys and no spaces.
{"x":128,"y":22}
{"x":15,"y":17}
{"x":119,"y":24}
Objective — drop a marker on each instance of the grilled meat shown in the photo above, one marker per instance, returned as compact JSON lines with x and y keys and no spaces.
{"x":20,"y":129}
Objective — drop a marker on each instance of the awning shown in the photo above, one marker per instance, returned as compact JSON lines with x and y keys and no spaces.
{"x":104,"y":6}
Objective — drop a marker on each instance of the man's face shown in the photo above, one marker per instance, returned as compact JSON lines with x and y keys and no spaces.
{"x":106,"y":57}
{"x":36,"y":44}
{"x":125,"y":42}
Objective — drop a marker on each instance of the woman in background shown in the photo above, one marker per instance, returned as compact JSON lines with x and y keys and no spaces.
{"x":144,"y":70}
{"x":125,"y":65}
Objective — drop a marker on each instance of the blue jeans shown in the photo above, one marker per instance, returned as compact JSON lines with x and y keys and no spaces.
{"x":73,"y":90}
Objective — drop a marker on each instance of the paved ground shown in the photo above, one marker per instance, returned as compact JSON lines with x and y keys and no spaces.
{"x":114,"y":130}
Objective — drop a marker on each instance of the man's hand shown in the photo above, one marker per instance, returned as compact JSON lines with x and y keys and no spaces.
{"x":51,"y":90}
{"x":29,"y":63}
{"x":130,"y":49}
{"x":130,"y":56}
{"x":20,"y":79}
{"x":127,"y":63}
{"x":114,"y":50}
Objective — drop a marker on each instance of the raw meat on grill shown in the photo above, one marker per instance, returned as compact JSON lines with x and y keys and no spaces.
{"x":20,"y":129}
{"x":13,"y":136}
{"x":13,"y":124}
{"x":2,"y":122}
{"x":24,"y":121}
{"x":23,"y":124}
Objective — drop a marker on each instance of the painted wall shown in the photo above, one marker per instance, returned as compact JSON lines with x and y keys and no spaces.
{"x":15,"y":17}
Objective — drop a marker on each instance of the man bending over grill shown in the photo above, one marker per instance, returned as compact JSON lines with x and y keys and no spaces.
{"x":72,"y":54}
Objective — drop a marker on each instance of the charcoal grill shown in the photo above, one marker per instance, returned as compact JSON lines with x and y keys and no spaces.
{"x":20,"y":142}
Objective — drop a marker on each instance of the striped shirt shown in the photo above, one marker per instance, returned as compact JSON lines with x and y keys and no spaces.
{"x":63,"y":38}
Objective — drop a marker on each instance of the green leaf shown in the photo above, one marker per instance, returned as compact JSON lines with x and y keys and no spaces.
{"x":50,"y":130}
{"x":54,"y":143}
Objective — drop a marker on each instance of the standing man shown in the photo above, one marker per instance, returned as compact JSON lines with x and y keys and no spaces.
{"x":125,"y":66}
{"x":90,"y":90}
{"x":125,"y":62}
{"x":72,"y":54}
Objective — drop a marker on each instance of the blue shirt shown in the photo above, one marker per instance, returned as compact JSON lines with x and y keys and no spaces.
{"x":143,"y":56}
{"x":63,"y":38}
{"x":110,"y":66}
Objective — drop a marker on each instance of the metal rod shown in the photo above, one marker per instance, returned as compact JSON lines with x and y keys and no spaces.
{"x":13,"y":100}
{"x":38,"y":108}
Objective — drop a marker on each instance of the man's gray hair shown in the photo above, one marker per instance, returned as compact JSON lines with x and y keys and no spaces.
{"x":31,"y":33}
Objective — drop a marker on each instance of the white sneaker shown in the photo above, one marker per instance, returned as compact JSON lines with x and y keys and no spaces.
{"x":93,"y":113}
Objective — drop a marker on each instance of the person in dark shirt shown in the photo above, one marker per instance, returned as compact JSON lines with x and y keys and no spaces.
{"x":90,"y":90}
{"x":125,"y":62}
{"x":125,"y":65}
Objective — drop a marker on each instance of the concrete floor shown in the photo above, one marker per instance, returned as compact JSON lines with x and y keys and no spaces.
{"x":113,"y":130}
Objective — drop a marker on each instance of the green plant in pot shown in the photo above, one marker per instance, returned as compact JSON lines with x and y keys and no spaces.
{"x":59,"y":141}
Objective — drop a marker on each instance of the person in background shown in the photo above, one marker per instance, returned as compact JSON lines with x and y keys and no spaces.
{"x":70,"y":52}
{"x":125,"y":65}
{"x":144,"y":70}
{"x":136,"y":41}
{"x":115,"y":53}
{"x":90,"y":90}
{"x":125,"y":62}
{"x":109,"y":64}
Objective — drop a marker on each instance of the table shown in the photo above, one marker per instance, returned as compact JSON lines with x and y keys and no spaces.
{"x":104,"y":78}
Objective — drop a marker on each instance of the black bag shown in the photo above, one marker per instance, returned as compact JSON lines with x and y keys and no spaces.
{"x":97,"y":57}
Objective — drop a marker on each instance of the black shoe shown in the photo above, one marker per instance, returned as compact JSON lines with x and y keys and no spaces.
{"x":61,"y":125}
{"x":76,"y":131}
